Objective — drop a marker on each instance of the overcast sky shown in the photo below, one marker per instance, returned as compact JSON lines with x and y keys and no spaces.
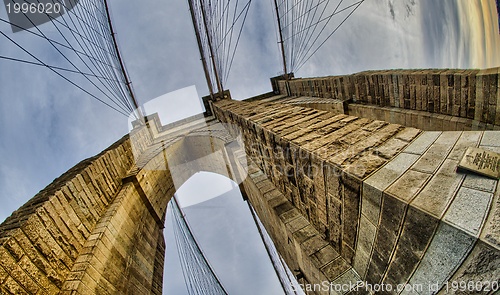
{"x":233,"y":248}
{"x":47,"y":125}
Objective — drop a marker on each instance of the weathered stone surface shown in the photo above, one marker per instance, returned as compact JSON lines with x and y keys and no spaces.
{"x":408,"y":185}
{"x":481,"y":268}
{"x":424,"y":141}
{"x":335,"y":269}
{"x":324,"y":256}
{"x":304,"y":234}
{"x":442,"y":257}
{"x":467,"y":139}
{"x":469,"y":210}
{"x":479,"y":182}
{"x":390,"y":172}
{"x":390,"y":148}
{"x":440,"y":190}
{"x":437,"y":152}
{"x":342,"y":284}
{"x":417,"y":232}
{"x":366,"y":238}
{"x":491,"y":138}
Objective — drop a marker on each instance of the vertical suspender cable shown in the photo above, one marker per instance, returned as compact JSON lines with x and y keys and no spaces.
{"x":281,"y":39}
{"x":286,"y":287}
{"x":200,"y":47}
{"x":210,"y":46}
{"x":194,"y":243}
{"x":122,"y":66}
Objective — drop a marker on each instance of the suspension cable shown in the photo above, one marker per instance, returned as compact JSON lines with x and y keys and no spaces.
{"x":199,"y":276}
{"x":303,"y":27}
{"x":84,"y":42}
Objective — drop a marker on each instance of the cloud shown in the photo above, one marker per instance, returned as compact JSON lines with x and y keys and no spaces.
{"x":391,"y":9}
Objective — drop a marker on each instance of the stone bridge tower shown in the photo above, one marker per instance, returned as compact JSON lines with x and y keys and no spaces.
{"x":354,"y":177}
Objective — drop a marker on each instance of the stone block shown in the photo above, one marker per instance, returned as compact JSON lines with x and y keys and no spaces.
{"x":347,"y":253}
{"x":366,"y":238}
{"x":11,"y":286}
{"x":482,"y":268}
{"x":491,"y":138}
{"x":341,"y":284}
{"x":468,"y":210}
{"x":478,"y":182}
{"x":290,"y":215}
{"x":442,"y":257}
{"x":350,"y":216}
{"x":304,"y":234}
{"x":390,"y":148}
{"x":392,"y":214}
{"x":408,"y":185}
{"x":440,"y":190}
{"x":370,"y":204}
{"x":17,"y":273}
{"x":437,"y":152}
{"x":324,"y":255}
{"x":422,"y":143}
{"x":297,"y":224}
{"x":332,"y":180}
{"x":417,"y":232}
{"x":376,"y":268}
{"x":391,"y":171}
{"x":467,"y":139}
{"x":335,"y":269}
{"x":313,"y":245}
{"x":39,"y":260}
{"x":14,"y":249}
{"x":335,"y":222}
{"x":365,"y":165}
{"x":491,"y":230}
{"x":283,"y":208}
{"x":361,"y":262}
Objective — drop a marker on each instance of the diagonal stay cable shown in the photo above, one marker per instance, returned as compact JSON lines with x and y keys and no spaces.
{"x":72,"y":63}
{"x":118,"y":89}
{"x":53,"y":40}
{"x":239,"y":36}
{"x":110,"y":86}
{"x":333,"y":14}
{"x":62,"y":76}
{"x":49,"y":66}
{"x":307,"y":44}
{"x":196,"y":268}
{"x":333,"y":32}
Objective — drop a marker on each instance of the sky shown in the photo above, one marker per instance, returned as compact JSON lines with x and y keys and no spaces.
{"x":231,"y":247}
{"x":47,"y":125}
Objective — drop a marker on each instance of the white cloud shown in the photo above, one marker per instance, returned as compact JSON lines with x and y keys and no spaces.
{"x":202,"y":187}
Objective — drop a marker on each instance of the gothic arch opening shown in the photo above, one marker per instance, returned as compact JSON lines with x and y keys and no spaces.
{"x":135,"y":247}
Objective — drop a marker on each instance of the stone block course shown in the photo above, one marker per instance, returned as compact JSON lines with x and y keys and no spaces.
{"x":437,"y":202}
{"x":465,"y":94}
{"x":342,"y":189}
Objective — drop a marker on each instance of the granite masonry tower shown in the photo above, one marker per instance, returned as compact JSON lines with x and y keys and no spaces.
{"x":354,"y":177}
